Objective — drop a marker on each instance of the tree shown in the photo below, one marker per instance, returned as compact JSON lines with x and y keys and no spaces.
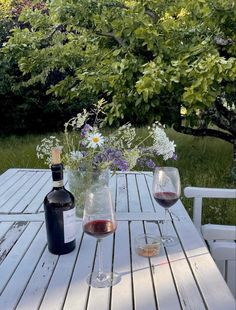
{"x":148,"y":58}
{"x":25,"y":109}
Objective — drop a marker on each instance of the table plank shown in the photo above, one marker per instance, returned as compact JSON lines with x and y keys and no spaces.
{"x":58,"y":285}
{"x":144,"y":193}
{"x":4,"y":227}
{"x":18,"y":190}
{"x":16,"y":285}
{"x":191,"y":241}
{"x":37,"y":286}
{"x":122,"y":292}
{"x":185,"y":283}
{"x":144,"y":296}
{"x":166,"y":292}
{"x":121,"y":190}
{"x":8,"y":240}
{"x":112,"y":186}
{"x":6,"y":190}
{"x":8,"y":174}
{"x":29,"y":192}
{"x":78,"y":289}
{"x":38,"y":192}
{"x":133,"y":194}
{"x":211,"y":283}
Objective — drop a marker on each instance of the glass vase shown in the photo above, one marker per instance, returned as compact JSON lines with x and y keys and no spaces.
{"x":81,"y":180}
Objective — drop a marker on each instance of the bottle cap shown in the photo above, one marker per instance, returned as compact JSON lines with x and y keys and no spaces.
{"x":56,"y":155}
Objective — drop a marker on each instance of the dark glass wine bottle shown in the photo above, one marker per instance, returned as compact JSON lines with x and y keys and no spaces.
{"x":59,"y":211}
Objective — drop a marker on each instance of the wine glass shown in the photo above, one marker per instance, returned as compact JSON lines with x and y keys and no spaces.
{"x":166,"y":189}
{"x":99,"y":222}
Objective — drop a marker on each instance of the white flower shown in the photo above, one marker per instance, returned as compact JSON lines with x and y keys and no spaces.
{"x":43,"y":150}
{"x":95,"y":140}
{"x":75,"y":155}
{"x":81,"y":118}
{"x":162,"y":145}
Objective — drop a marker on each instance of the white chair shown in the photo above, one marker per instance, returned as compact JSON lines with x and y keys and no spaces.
{"x":221,"y":239}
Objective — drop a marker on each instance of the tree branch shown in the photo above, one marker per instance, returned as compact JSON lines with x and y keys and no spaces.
{"x":223,"y":110}
{"x":205,"y":132}
{"x":151,"y":14}
{"x":222,"y":117}
{"x":111,"y":35}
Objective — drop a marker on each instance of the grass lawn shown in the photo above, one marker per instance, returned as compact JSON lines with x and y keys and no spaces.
{"x":201,"y":162}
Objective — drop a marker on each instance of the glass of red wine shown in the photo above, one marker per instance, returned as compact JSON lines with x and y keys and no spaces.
{"x":99,"y":222}
{"x":166,"y":189}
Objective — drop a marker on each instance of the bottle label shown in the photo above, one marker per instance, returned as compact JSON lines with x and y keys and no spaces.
{"x":69,"y":225}
{"x":58,"y":183}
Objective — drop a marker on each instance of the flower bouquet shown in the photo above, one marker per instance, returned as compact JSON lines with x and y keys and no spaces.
{"x":88,"y":153}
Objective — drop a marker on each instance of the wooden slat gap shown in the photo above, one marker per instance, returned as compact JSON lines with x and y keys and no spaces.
{"x":139,"y":197}
{"x":131,"y":264}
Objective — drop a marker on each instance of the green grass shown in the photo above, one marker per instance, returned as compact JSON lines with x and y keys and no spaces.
{"x":19,"y":152}
{"x":201,"y":162}
{"x":207,"y":162}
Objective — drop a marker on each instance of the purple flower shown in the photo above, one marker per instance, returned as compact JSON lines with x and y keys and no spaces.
{"x":121,"y":164}
{"x":174,"y":157}
{"x":150,"y":164}
{"x":85,"y":130}
{"x":115,"y":157}
{"x":146,"y":162}
{"x":82,"y":144}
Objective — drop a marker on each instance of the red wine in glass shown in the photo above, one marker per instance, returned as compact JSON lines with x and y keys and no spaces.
{"x":166,"y":199}
{"x":99,"y":222}
{"x":166,"y":189}
{"x":100,"y":228}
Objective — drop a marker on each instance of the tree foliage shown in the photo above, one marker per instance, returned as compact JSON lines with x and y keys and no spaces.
{"x":147,"y":58}
{"x":24,"y":109}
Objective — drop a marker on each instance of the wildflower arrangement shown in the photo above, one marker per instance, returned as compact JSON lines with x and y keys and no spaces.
{"x":85,"y":145}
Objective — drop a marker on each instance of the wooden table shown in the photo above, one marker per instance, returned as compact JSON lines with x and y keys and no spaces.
{"x":181,"y":277}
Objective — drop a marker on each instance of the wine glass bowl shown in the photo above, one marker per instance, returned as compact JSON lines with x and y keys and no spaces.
{"x":166,"y":190}
{"x":99,"y":228}
{"x":99,"y":222}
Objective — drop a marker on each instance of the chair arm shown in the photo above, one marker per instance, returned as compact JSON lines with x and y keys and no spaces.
{"x":218,"y":232}
{"x":208,"y":192}
{"x":198,"y":193}
{"x":223,"y":250}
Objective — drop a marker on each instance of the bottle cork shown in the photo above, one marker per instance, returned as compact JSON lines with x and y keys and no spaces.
{"x":56,"y":155}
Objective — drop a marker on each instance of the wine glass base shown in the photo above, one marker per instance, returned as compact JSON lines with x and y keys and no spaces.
{"x":104,"y":280}
{"x":169,"y":241}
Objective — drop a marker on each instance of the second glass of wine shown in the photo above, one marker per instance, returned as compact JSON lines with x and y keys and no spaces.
{"x":166,"y":189}
{"x":99,"y":221}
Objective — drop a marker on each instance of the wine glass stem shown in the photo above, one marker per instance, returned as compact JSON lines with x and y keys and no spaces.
{"x":100,"y":261}
{"x":166,"y":224}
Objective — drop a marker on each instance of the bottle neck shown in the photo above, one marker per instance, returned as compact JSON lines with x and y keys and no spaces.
{"x":57,"y":175}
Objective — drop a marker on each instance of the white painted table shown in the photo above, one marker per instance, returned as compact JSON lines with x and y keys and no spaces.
{"x":181,"y":277}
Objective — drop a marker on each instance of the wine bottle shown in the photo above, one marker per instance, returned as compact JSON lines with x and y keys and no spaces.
{"x":59,"y":210}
